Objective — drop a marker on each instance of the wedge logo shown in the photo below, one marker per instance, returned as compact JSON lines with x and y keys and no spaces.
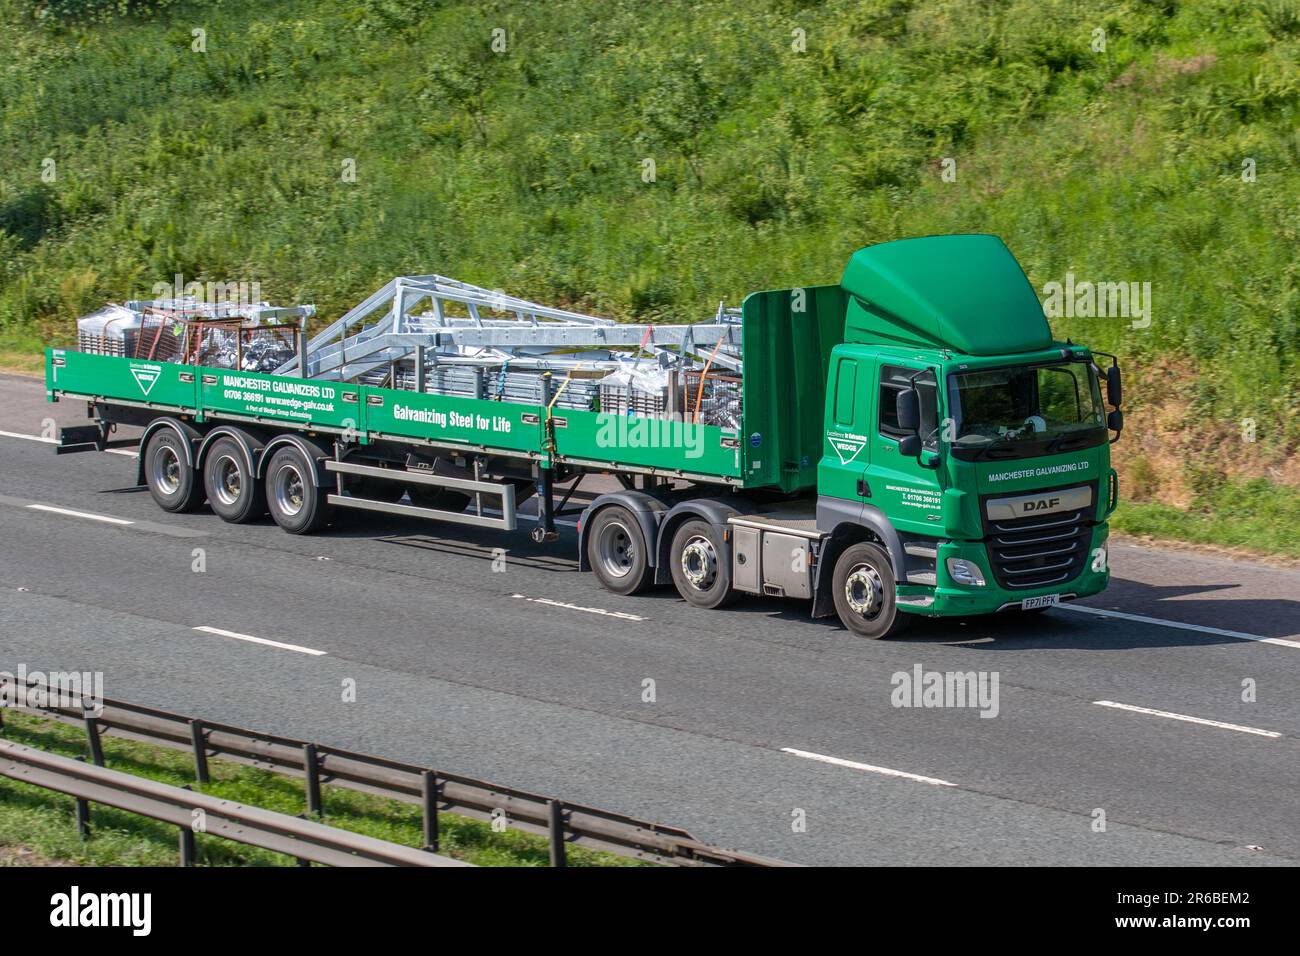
{"x":846,"y":445}
{"x":145,"y":376}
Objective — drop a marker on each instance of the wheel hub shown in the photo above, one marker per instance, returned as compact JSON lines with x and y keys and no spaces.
{"x":616,"y":549}
{"x":167,"y":470}
{"x":864,"y":591}
{"x":700,"y":563}
{"x":228,"y":480}
{"x":289,"y":490}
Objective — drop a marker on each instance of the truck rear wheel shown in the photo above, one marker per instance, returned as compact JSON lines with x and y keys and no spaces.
{"x":233,"y":492}
{"x":699,"y":565}
{"x":617,"y":551}
{"x":296,"y":504}
{"x":864,"y":589}
{"x":174,"y":484}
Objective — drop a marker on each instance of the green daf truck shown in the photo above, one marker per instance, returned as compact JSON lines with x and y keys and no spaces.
{"x":911,"y":441}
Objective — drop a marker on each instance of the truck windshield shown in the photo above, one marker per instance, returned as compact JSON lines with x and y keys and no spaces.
{"x":1025,"y":411}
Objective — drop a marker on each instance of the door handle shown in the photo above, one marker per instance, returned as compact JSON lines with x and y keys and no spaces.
{"x":864,"y":489}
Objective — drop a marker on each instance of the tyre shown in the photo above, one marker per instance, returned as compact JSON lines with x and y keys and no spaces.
{"x":234,"y":493}
{"x":699,"y":565}
{"x":444,"y":499}
{"x":617,"y":551}
{"x":172,"y":482}
{"x":296,"y":504}
{"x":864,"y":590}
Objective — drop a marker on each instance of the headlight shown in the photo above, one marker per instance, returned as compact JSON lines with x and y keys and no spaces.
{"x":965,"y":572}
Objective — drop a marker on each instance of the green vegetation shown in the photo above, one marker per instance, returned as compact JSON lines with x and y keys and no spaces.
{"x":525,"y":168}
{"x":44,"y":822}
{"x":1255,"y":514}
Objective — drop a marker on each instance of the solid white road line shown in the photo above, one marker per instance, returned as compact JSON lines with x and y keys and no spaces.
{"x":80,"y":514}
{"x":853,"y":765}
{"x":55,"y":441}
{"x":1143,"y":619}
{"x":261,"y":640}
{"x":1191,"y":720}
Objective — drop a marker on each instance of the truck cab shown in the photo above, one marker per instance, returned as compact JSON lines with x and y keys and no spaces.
{"x":967,"y":460}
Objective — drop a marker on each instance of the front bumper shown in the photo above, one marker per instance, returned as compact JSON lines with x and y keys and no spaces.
{"x":947,"y":598}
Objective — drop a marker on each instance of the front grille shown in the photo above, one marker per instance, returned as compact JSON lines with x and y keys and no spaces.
{"x":1039,"y":550}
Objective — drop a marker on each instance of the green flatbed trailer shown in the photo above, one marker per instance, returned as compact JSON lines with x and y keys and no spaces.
{"x":910,"y":440}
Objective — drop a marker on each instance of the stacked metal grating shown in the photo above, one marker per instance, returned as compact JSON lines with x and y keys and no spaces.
{"x":485,"y":382}
{"x":718,"y":402}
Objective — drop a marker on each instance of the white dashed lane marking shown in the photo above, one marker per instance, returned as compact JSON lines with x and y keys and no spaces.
{"x":870,"y":768}
{"x":298,"y":648}
{"x":107,"y":519}
{"x":1184,"y":717}
{"x":620,"y":615}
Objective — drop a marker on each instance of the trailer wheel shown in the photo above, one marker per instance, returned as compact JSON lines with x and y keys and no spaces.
{"x":296,"y":504}
{"x":864,"y":584}
{"x":443,"y":499}
{"x":233,"y":492}
{"x":617,"y":552}
{"x":699,"y":565}
{"x":173,"y":483}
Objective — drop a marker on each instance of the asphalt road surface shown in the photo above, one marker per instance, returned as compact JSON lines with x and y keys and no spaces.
{"x":533,"y":676}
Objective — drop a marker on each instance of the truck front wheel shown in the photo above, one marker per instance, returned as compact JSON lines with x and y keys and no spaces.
{"x":617,"y":552}
{"x":174,"y":484}
{"x":699,"y":565}
{"x":864,"y":592}
{"x":296,"y":504}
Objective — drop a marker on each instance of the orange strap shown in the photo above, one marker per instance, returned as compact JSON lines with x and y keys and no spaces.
{"x":699,"y":395}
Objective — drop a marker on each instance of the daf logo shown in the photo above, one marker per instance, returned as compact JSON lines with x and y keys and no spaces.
{"x":1042,"y":504}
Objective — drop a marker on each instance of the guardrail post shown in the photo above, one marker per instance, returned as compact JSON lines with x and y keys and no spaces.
{"x":311,"y":767}
{"x":96,"y":745}
{"x":83,"y":812}
{"x":200,"y":741}
{"x":556,"y":809}
{"x":429,"y":793}
{"x":187,"y":846}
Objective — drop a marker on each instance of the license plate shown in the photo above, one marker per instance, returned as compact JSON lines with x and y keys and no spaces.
{"x":1047,"y":600}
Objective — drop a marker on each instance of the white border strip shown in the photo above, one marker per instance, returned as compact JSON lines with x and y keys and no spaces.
{"x":853,"y":765}
{"x":1143,"y":619}
{"x":260,"y":640}
{"x":1191,"y":720}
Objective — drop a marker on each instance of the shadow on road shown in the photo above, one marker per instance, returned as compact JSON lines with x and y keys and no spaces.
{"x":1060,"y":629}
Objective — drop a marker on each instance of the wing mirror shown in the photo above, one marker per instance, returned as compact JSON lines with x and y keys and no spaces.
{"x":909,"y":410}
{"x":1115,"y":422}
{"x":909,"y":420}
{"x":1114,"y":389}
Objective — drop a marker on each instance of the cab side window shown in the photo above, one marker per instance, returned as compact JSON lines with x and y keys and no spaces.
{"x":895,"y":378}
{"x":846,"y":382}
